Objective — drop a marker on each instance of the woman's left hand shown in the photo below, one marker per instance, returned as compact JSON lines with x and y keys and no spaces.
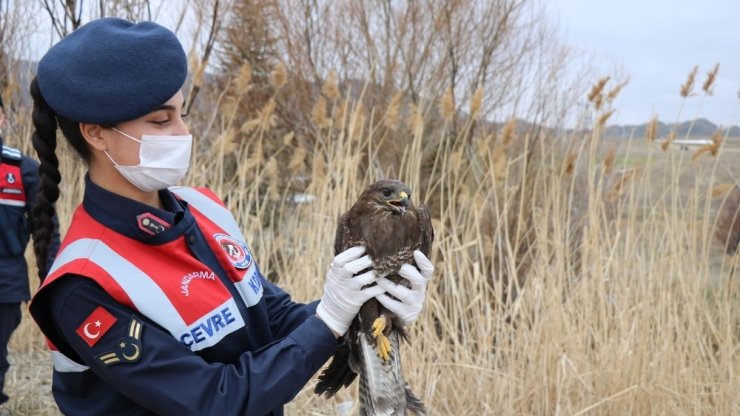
{"x":409,"y":301}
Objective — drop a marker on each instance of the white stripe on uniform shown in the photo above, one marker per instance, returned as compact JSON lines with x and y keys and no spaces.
{"x":64,"y":364}
{"x":12,"y":202}
{"x":147,"y":297}
{"x":211,"y":209}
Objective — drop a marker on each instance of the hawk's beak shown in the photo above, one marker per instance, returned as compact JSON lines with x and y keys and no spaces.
{"x":404,"y":199}
{"x":402,"y":202}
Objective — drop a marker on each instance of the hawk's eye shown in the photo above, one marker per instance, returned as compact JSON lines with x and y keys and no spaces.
{"x":387,"y":193}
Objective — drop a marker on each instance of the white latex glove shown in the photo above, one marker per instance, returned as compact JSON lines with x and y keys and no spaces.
{"x":409,"y":300}
{"x":343,"y":293}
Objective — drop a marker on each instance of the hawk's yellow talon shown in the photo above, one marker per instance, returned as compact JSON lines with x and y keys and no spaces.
{"x":384,"y":345}
{"x":379,"y":326}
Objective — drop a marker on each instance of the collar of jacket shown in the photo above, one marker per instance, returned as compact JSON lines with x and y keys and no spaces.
{"x":120,"y":214}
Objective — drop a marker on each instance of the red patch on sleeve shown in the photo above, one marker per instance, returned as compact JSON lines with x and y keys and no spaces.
{"x":96,"y":325}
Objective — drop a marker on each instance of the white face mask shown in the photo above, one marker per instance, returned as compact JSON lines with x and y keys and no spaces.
{"x":163,"y":161}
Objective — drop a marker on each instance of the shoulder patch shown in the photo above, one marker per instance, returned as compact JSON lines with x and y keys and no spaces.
{"x":11,"y":153}
{"x":128,"y":349}
{"x":236,"y":250}
{"x":96,"y":325}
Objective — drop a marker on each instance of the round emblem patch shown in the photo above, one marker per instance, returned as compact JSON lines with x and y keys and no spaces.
{"x":236,"y":250}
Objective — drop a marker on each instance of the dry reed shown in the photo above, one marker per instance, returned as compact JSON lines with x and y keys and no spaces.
{"x":652,"y":129}
{"x":688,"y":86}
{"x":596,"y":96}
{"x":559,"y":289}
{"x":709,"y":81}
{"x":447,"y":106}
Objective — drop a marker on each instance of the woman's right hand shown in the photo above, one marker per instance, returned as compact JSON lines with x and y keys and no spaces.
{"x":344,"y":293}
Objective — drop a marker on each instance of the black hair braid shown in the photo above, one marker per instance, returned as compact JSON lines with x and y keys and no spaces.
{"x":44,"y":141}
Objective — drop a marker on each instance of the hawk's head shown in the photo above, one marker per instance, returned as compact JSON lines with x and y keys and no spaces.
{"x":388,"y":194}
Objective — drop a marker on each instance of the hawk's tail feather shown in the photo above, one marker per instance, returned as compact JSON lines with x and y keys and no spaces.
{"x":413,"y":404}
{"x":382,"y":390}
{"x":337,"y":375}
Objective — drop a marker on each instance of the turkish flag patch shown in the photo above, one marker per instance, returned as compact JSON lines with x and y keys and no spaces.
{"x":96,"y":325}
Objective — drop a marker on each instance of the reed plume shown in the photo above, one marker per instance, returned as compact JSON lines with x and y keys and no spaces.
{"x":619,"y":186}
{"x":609,"y":159}
{"x":595,"y":96}
{"x":319,"y":115}
{"x":330,"y":89}
{"x":711,"y":78}
{"x":278,"y":76}
{"x":614,"y":92}
{"x":711,"y":148}
{"x":688,"y":86}
{"x":668,"y":140}
{"x":652,"y":129}
{"x":476,"y":102}
{"x":604,"y":117}
{"x":415,"y":120}
{"x":244,"y":78}
{"x":447,"y":106}
{"x":508,"y":133}
{"x":390,"y":119}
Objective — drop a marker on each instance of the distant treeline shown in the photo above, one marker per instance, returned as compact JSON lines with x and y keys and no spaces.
{"x":700,"y":127}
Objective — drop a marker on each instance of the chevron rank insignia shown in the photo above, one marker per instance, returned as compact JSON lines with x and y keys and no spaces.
{"x":128,"y":349}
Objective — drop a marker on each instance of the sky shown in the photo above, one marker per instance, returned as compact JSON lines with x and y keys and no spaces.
{"x":656,"y":43}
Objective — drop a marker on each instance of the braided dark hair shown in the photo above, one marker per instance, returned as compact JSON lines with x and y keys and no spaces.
{"x":44,"y":141}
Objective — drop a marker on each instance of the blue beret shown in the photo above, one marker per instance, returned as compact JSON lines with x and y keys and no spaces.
{"x":111,"y":70}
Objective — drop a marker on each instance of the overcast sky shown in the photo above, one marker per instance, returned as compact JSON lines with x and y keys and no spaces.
{"x":657,"y":43}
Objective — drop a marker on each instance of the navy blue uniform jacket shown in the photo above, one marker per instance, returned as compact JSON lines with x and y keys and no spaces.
{"x":252,"y":371}
{"x":16,"y":226}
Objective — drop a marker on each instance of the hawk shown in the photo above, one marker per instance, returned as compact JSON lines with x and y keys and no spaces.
{"x":387,"y":223}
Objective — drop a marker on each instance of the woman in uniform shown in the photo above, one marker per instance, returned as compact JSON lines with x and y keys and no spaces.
{"x":155,"y":304}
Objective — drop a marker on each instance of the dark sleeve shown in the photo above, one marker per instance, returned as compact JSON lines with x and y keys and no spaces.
{"x":31,"y":183}
{"x":285,"y":315}
{"x":169,"y":379}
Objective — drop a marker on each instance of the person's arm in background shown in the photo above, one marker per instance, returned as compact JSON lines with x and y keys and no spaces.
{"x":30,"y":173}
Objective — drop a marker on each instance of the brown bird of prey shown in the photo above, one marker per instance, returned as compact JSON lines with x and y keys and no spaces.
{"x":386,"y":222}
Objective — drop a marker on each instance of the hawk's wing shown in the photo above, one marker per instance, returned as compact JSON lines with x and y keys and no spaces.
{"x":339,"y":372}
{"x":341,"y":240}
{"x":427,"y":232}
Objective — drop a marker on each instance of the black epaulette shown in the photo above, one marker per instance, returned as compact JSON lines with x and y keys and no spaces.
{"x":11,"y":155}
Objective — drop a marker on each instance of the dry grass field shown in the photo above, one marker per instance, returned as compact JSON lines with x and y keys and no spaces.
{"x":575,"y":275}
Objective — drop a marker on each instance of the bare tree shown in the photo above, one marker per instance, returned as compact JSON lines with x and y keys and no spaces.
{"x":134,"y":10}
{"x":15,"y":33}
{"x":422,"y":49}
{"x":249,"y":37}
{"x":65,"y":15}
{"x":209,"y":17}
